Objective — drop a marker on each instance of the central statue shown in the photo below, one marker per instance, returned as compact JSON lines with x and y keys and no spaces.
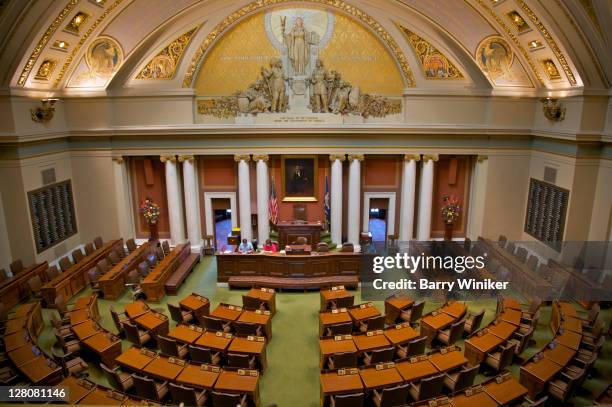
{"x":298,"y":42}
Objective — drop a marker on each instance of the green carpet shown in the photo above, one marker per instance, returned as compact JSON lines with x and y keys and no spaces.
{"x":292,"y":377}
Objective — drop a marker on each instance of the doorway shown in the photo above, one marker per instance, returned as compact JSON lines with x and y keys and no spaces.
{"x":377,"y":220}
{"x":222,"y":213}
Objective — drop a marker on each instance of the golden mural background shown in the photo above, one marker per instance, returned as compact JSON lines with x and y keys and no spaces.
{"x":235,"y":61}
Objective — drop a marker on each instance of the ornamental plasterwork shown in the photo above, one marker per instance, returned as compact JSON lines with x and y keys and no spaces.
{"x":45,"y":70}
{"x":435,"y":64}
{"x":349,"y":9}
{"x":164,"y":64}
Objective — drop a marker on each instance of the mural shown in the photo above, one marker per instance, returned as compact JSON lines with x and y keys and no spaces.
{"x":163,"y":65}
{"x":496,"y":59}
{"x":102,"y":60}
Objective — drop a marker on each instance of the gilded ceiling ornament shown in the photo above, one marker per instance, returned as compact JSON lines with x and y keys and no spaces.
{"x":163,"y":65}
{"x":75,"y":24}
{"x":551,"y":42}
{"x":435,"y":64}
{"x":45,"y":70}
{"x":551,"y":69}
{"x":349,"y":9}
{"x":83,"y":39}
{"x":494,"y":56}
{"x":42,"y":42}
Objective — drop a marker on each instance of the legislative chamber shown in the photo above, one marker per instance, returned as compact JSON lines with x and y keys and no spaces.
{"x":333,"y":203}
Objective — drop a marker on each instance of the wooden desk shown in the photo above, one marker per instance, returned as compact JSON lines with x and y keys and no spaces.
{"x":15,"y":325}
{"x":23,"y":310}
{"x":502,"y":329}
{"x":153,"y":321}
{"x":199,"y":376}
{"x":367,"y":343}
{"x":24,"y":354}
{"x":198,"y":304}
{"x":505,"y":393}
{"x":481,"y":399}
{"x":112,"y":284}
{"x":415,"y":371}
{"x":535,"y":375}
{"x":289,"y":232}
{"x":327,"y":296}
{"x":250,"y":347}
{"x":77,"y":388}
{"x":570,"y":339}
{"x":476,"y":347}
{"x":572,"y":324}
{"x":431,"y":324}
{"x":153,"y":285}
{"x":106,"y":346}
{"x":511,"y":316}
{"x":332,"y":318}
{"x":376,"y":379}
{"x":73,"y":280}
{"x":268,"y":296}
{"x":394,"y":306}
{"x":102,"y":397}
{"x":448,"y":361}
{"x":136,"y":309}
{"x":455,"y":309}
{"x":561,"y":355}
{"x":259,"y":318}
{"x":333,"y":383}
{"x":164,"y":368}
{"x":211,"y":340}
{"x":136,"y":360}
{"x":401,"y":334}
{"x":79,"y":316}
{"x":511,"y":303}
{"x":90,"y":303}
{"x":16,"y":289}
{"x":16,"y":340}
{"x":331,"y":346}
{"x":186,"y":333}
{"x":363,"y":311}
{"x":42,"y":371}
{"x":227,"y":312}
{"x":232,"y":382}
{"x":567,"y":309}
{"x":85,"y":329}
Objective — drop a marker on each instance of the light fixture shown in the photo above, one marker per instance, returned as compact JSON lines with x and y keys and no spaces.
{"x":44,"y":112}
{"x":534,"y":44}
{"x":61,"y":45}
{"x":518,"y":21}
{"x":553,"y":110}
{"x":76,"y":22}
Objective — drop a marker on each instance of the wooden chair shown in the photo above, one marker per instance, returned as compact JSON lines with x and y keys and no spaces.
{"x":365,"y":238}
{"x":119,"y":380}
{"x":118,"y":319}
{"x":179,"y":315}
{"x":67,"y":343}
{"x":462,"y":379}
{"x":322,"y":247}
{"x":70,"y":363}
{"x":208,"y":247}
{"x":51,"y":273}
{"x":198,"y":354}
{"x":521,"y":341}
{"x":473,"y":322}
{"x":561,"y":387}
{"x":131,"y":245}
{"x":498,"y":360}
{"x":591,"y":316}
{"x":347,"y":400}
{"x":427,"y":388}
{"x":16,"y":267}
{"x":187,"y":396}
{"x":342,"y":360}
{"x":89,"y":249}
{"x":60,"y":306}
{"x":372,"y":324}
{"x":77,"y":255}
{"x":391,"y":396}
{"x":215,"y":324}
{"x":521,"y":254}
{"x":103,"y":266}
{"x":344,"y":302}
{"x":339,"y":329}
{"x":533,"y":262}
{"x":347,"y":247}
{"x":220,"y":399}
{"x":143,"y":269}
{"x":133,"y":282}
{"x":149,"y":388}
{"x":35,"y":286}
{"x":413,"y":348}
{"x":414,"y":313}
{"x":63,"y":329}
{"x":379,"y":356}
{"x":65,"y":263}
{"x":248,"y":329}
{"x":135,"y":335}
{"x":93,"y":277}
{"x":98,"y":242}
{"x":253,"y":304}
{"x":159,"y":253}
{"x":241,"y":360}
{"x":451,"y":335}
{"x":170,"y":347}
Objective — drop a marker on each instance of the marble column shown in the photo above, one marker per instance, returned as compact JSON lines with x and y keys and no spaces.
{"x":244,"y":195}
{"x":263,"y":195}
{"x":408,"y":197}
{"x":477,"y":197}
{"x":335,"y":204}
{"x":125,"y":217}
{"x":354,"y":198}
{"x":426,"y":197}
{"x":192,"y":206}
{"x":175,"y":215}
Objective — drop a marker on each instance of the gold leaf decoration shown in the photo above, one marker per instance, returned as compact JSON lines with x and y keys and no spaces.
{"x":435,"y":65}
{"x":163,"y":65}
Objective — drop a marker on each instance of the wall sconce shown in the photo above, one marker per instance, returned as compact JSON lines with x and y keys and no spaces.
{"x":44,"y":113}
{"x":553,"y":110}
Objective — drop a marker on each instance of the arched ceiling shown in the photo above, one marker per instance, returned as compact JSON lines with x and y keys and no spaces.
{"x":548,"y":47}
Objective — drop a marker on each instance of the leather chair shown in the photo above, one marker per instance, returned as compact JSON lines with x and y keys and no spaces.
{"x":220,"y":399}
{"x":51,"y":273}
{"x":215,"y":324}
{"x":118,"y":319}
{"x":391,"y":396}
{"x":253,"y":304}
{"x":247,"y":329}
{"x":180,"y":316}
{"x":119,"y":380}
{"x":131,"y":245}
{"x":159,"y":253}
{"x":114,"y":258}
{"x":347,"y":400}
{"x":98,"y":242}
{"x":133,"y":282}
{"x":473,"y":322}
{"x":322,"y":247}
{"x":16,"y":267}
{"x":135,"y":335}
{"x":414,"y":313}
{"x":89,"y":249}
{"x":166,"y":247}
{"x":451,"y":335}
{"x":342,"y":360}
{"x":521,"y":254}
{"x":56,"y":323}
{"x":299,"y":212}
{"x":498,"y":360}
{"x":187,"y":396}
{"x":462,"y":379}
{"x":170,"y":347}
{"x":427,"y":388}
{"x":143,"y":269}
{"x":521,"y":341}
{"x":208,"y":247}
{"x":77,"y":255}
{"x":379,"y":356}
{"x":372,"y":324}
{"x":413,"y":348}
{"x":347,"y":247}
{"x":35,"y":286}
{"x":70,"y":363}
{"x":241,"y":360}
{"x":344,"y":302}
{"x":533,"y":262}
{"x":561,"y":387}
{"x":65,"y":263}
{"x":103,"y":266}
{"x":60,"y":306}
{"x":339,"y":329}
{"x":92,"y":276}
{"x":67,"y":343}
{"x":149,"y":388}
{"x":198,"y":354}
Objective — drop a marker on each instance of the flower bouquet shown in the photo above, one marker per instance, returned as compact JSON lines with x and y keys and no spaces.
{"x":150,"y":212}
{"x":450,"y":208}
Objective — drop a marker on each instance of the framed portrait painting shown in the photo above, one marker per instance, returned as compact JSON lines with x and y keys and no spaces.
{"x":299,"y":178}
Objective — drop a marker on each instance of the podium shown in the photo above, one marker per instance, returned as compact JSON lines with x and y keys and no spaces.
{"x":290,"y":231}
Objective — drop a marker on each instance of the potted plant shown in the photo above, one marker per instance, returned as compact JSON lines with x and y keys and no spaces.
{"x":150,"y":212}
{"x":450,"y":213}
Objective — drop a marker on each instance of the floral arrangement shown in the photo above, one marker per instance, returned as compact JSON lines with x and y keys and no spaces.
{"x":450,"y":208}
{"x":150,"y":211}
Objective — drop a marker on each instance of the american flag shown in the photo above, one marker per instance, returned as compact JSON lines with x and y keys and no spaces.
{"x":273,"y":204}
{"x":326,"y":203}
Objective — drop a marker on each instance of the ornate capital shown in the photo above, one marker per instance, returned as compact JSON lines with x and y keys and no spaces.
{"x":334,"y":157}
{"x":118,"y":159}
{"x":481,"y":158}
{"x":432,"y":157}
{"x":242,"y":157}
{"x":262,"y":157}
{"x":187,"y":157}
{"x":358,"y":157}
{"x":164,"y":158}
{"x":410,"y":157}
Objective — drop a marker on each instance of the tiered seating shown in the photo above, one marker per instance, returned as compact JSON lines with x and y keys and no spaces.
{"x":444,"y":324}
{"x":187,"y":263}
{"x":112,"y":283}
{"x":154,"y":284}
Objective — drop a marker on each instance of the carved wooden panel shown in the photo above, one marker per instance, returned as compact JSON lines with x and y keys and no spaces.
{"x":546,"y":210}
